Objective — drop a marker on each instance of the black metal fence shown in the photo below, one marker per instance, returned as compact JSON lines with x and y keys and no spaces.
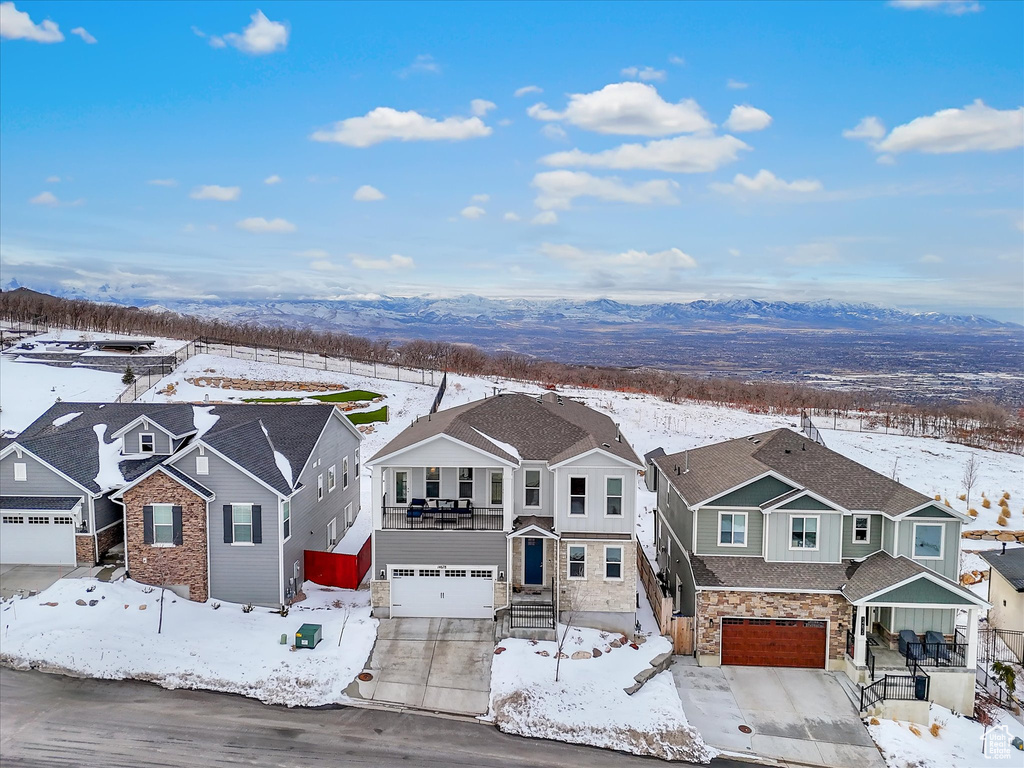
{"x":937,"y":654}
{"x":532,"y":615}
{"x":808,"y":428}
{"x":440,"y":393}
{"x":996,"y":644}
{"x":914,"y":687}
{"x":442,"y":517}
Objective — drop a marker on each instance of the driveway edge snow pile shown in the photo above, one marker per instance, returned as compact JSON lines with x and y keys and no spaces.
{"x":589,"y":704}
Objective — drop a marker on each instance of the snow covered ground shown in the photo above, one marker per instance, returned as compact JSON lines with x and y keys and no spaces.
{"x":161,"y":346}
{"x":201,"y":647}
{"x":28,"y":389}
{"x":588,"y":705}
{"x":957,"y":745}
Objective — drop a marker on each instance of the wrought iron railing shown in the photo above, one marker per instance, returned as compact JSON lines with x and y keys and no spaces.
{"x":869,"y":657}
{"x":443,"y":518}
{"x":997,"y":644}
{"x":937,"y":654}
{"x":913,"y":687}
{"x":532,"y":615}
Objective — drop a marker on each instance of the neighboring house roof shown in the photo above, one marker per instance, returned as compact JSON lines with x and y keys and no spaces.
{"x":547,"y":428}
{"x":33,"y":503}
{"x":247,"y":434}
{"x":652,"y":455}
{"x":1009,"y":565}
{"x":175,"y":474}
{"x":714,"y":469}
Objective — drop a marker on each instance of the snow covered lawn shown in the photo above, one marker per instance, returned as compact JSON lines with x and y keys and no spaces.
{"x":957,"y":745}
{"x":199,"y":647}
{"x":588,"y":705}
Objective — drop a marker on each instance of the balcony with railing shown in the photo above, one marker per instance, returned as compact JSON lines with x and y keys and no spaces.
{"x":442,"y":515}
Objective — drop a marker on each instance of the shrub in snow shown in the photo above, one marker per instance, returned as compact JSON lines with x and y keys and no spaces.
{"x":985,"y":503}
{"x":972,"y":512}
{"x":1002,"y":521}
{"x":129,"y":375}
{"x":247,"y":608}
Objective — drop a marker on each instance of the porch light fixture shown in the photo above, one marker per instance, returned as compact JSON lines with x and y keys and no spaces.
{"x":382,"y":573}
{"x":501,"y":575}
{"x":711,"y":621}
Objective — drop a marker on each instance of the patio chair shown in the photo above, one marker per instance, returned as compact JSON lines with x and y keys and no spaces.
{"x":910,"y":644}
{"x":937,"y":646}
{"x":464,"y":506}
{"x":416,"y":508}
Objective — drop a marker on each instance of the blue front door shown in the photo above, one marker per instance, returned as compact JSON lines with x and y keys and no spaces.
{"x":533,"y":562}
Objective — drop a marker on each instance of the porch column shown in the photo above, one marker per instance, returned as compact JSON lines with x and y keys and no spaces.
{"x":860,"y":637}
{"x":507,"y":496}
{"x":377,"y":496}
{"x":972,"y":637}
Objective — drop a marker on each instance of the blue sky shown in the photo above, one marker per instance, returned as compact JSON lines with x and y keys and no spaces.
{"x":864,"y":151}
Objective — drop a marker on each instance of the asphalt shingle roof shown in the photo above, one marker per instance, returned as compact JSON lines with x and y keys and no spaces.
{"x":56,"y":503}
{"x":187,"y":481}
{"x":1009,"y":565}
{"x":548,"y":428}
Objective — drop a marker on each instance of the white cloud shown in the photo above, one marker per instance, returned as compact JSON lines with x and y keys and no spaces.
{"x":745,"y":119}
{"x":273,"y":179}
{"x":670,"y":258}
{"x":262,"y":36}
{"x":683,"y":154}
{"x":396,"y":261}
{"x":766,"y":182}
{"x":216,"y":192}
{"x":734,"y":252}
{"x":215,"y":40}
{"x":951,"y":7}
{"x":975,"y":128}
{"x":931,"y":258}
{"x":885,"y":160}
{"x":366,"y":194}
{"x":504,"y":122}
{"x":472,"y":212}
{"x":526,"y":89}
{"x":869,"y":128}
{"x":813,"y":254}
{"x":480,"y":198}
{"x":647,"y":74}
{"x":80,"y":31}
{"x":314,"y":253}
{"x":545,"y":218}
{"x":45,"y":198}
{"x":481,"y":107}
{"x":162,"y":182}
{"x":18,"y":25}
{"x":260,"y":225}
{"x":422,"y":64}
{"x":554,"y":131}
{"x":387,"y":124}
{"x":557,"y":190}
{"x":627,"y":108}
{"x":678,"y":61}
{"x":53,"y":179}
{"x":325,"y":265}
{"x":511,"y":216}
{"x":736,"y":85}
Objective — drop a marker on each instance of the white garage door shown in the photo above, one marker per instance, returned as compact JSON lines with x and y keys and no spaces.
{"x":460,"y":592}
{"x":37,"y":539}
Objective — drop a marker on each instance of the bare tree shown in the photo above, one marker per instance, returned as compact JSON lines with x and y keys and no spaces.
{"x":570,"y":604}
{"x":970,"y":476}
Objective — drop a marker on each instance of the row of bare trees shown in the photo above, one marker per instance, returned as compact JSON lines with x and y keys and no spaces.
{"x":977,"y":423}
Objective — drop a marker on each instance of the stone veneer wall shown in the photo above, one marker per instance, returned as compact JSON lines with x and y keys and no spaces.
{"x":519,"y":552}
{"x":184,"y":564}
{"x":380,"y":598}
{"x":596,"y":593}
{"x":770,"y":605}
{"x":109,"y":536}
{"x":85,"y":549}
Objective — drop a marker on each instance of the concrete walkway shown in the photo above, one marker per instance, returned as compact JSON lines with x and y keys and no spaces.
{"x":442,"y":665}
{"x":800,"y":715}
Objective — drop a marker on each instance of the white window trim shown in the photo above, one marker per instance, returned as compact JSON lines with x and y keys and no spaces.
{"x":332,"y":528}
{"x":332,"y":478}
{"x":427,"y":480}
{"x":344,"y":473}
{"x":287,"y":503}
{"x":151,"y":435}
{"x":540,"y":487}
{"x":490,"y":487}
{"x":746,"y":530}
{"x":459,"y":481}
{"x":622,"y":496}
{"x":234,"y":538}
{"x":586,"y":493}
{"x":622,"y":564}
{"x":21,"y":471}
{"x":204,"y":462}
{"x":569,"y":562}
{"x":165,"y":525}
{"x":320,"y":486}
{"x":349,"y":517}
{"x":942,"y":542}
{"x":406,"y":473}
{"x":817,"y":533}
{"x":853,"y":533}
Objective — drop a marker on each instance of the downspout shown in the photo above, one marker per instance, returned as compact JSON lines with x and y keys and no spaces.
{"x":124,"y":528}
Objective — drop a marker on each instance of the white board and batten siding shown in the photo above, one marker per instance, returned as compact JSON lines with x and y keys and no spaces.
{"x":829,"y":538}
{"x":596,"y":473}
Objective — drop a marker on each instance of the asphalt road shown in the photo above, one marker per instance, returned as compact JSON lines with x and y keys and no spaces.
{"x":50,"y":720}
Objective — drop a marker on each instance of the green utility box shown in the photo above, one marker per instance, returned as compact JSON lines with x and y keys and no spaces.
{"x":309,"y":635}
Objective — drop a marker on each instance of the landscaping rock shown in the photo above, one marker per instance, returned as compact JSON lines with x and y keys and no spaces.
{"x":499,"y":650}
{"x":52,"y":605}
{"x":577,"y":655}
{"x":542,"y":653}
{"x":615,"y":644}
{"x":595,"y":653}
{"x":562,"y":656}
{"x":607,"y":649}
{"x":142,"y":607}
{"x":80,"y":601}
{"x":634,"y":646}
{"x":93,"y":602}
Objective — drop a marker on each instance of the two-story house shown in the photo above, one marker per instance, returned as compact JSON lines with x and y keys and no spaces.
{"x":505,"y":500}
{"x":789,"y":554}
{"x":211,"y":501}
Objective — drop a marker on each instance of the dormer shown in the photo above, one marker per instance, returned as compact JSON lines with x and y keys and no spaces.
{"x":145,"y":437}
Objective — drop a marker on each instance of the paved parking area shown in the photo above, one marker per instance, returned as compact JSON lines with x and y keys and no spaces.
{"x":436,"y":664}
{"x":801,"y":715}
{"x":29,"y":579}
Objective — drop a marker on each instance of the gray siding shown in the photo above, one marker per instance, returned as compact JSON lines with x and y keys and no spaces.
{"x":949,"y":565}
{"x":922,"y":620}
{"x":595,"y":520}
{"x":754,"y":494}
{"x":107,"y":512}
{"x":40,"y":479}
{"x":439,"y":548}
{"x":830,"y":531}
{"x":130,"y":440}
{"x":888,"y":530}
{"x":707,"y":534}
{"x":862,"y":549}
{"x":481,"y":496}
{"x":310,"y":517}
{"x":238,"y":573}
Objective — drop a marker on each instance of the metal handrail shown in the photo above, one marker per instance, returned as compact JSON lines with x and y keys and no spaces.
{"x":435,"y":518}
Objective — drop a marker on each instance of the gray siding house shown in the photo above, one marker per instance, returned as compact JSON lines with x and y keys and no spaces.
{"x":789,"y":554}
{"x":213,"y":501}
{"x":508,"y":500}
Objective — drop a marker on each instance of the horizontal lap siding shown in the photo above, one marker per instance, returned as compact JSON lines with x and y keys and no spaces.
{"x":40,"y":480}
{"x":161,"y":442}
{"x":439,"y":548}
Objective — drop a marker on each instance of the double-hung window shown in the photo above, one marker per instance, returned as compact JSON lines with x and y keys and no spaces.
{"x":401,"y":487}
{"x":803,"y":532}
{"x":286,"y":519}
{"x":319,"y":486}
{"x":613,"y":496}
{"x":532,"y":488}
{"x":861,"y":529}
{"x":732,"y":529}
{"x":344,"y":473}
{"x":928,"y":541}
{"x":497,"y":488}
{"x":147,"y":442}
{"x":241,"y":523}
{"x":577,"y":562}
{"x":332,"y":480}
{"x":465,"y":482}
{"x":577,"y":495}
{"x":613,"y":562}
{"x":163,"y":524}
{"x":433,"y":482}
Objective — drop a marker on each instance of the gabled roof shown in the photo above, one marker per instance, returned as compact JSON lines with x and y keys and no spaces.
{"x":882,"y":572}
{"x":175,"y":474}
{"x":716,"y":468}
{"x":1009,"y":565}
{"x":547,"y":428}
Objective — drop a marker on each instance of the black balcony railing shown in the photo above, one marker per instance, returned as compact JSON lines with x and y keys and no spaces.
{"x":532,"y":615}
{"x":937,"y":654}
{"x":443,"y":517}
{"x":913,"y":687}
{"x":869,"y":657}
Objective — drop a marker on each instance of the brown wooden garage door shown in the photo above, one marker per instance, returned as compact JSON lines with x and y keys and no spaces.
{"x":774,"y":642}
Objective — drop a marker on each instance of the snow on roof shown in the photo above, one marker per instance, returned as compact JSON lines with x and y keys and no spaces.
{"x":283,"y":465}
{"x":109,"y":474}
{"x":506,"y":447}
{"x":203,"y":419}
{"x":62,"y":420}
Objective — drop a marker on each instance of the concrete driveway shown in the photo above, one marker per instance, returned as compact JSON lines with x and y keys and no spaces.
{"x":801,"y":715}
{"x":28,"y":580}
{"x":442,"y":665}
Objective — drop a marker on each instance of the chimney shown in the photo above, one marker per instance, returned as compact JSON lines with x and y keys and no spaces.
{"x":677,"y":469}
{"x":618,"y":437}
{"x":1004,"y":549}
{"x":686,"y":460}
{"x":803,"y":446}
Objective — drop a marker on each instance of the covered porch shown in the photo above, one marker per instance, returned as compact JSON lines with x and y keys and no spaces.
{"x":533,"y":577}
